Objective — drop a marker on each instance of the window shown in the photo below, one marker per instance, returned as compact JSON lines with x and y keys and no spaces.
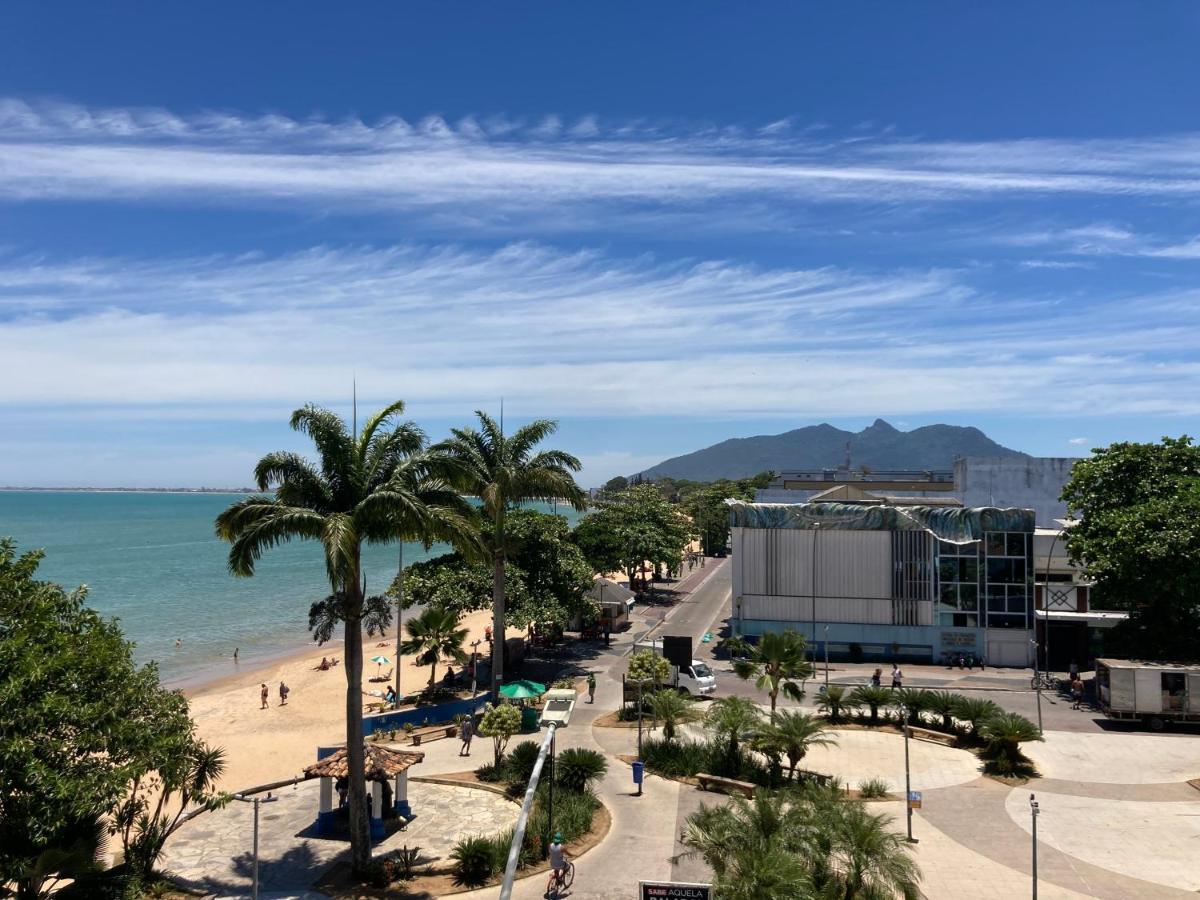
{"x":1009,"y":579}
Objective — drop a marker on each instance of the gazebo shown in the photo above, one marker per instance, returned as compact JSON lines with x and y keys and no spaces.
{"x":379,"y":764}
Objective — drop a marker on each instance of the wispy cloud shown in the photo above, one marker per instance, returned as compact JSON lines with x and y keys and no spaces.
{"x":1079,"y":441}
{"x":566,"y":333}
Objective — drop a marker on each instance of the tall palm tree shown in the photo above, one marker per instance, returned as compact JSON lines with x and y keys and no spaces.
{"x":361,"y":489}
{"x":778,"y":661}
{"x":432,"y":636}
{"x":504,"y":471}
{"x":795,"y":733}
{"x":674,"y":709}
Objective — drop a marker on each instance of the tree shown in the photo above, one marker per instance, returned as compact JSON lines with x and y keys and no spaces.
{"x":777,"y":663}
{"x":504,"y":471}
{"x":856,"y":855}
{"x":646,"y":665}
{"x":456,"y":583}
{"x":637,"y":526}
{"x":732,"y":718}
{"x":432,"y":636}
{"x":500,"y":722}
{"x":944,"y":703}
{"x":1138,"y":538}
{"x":834,"y":701}
{"x":674,"y":709}
{"x":1004,"y":732}
{"x":554,"y":571}
{"x":372,"y":487}
{"x":873,"y":697}
{"x":81,"y":729}
{"x":795,"y":733}
{"x":615,"y":485}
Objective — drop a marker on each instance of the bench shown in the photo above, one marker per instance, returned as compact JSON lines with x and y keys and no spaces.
{"x":934,"y":737}
{"x":433,"y":733}
{"x":727,"y":785}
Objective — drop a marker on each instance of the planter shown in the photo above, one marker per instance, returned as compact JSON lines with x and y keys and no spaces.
{"x":416,"y":739}
{"x":451,"y":730}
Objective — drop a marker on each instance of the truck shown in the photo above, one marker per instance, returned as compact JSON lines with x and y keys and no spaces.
{"x":1154,"y":693}
{"x":696,"y":679}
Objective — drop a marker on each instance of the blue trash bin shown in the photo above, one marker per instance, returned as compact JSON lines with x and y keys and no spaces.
{"x":639,"y":769}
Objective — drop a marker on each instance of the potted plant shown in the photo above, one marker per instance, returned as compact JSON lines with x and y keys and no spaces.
{"x":391,"y":734}
{"x":408,"y":731}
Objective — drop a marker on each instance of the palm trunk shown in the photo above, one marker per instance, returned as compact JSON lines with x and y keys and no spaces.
{"x":497,"y":625}
{"x":360,"y":832}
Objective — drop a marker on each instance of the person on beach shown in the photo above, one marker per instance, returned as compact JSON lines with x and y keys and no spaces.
{"x":1076,"y":691}
{"x":264,"y":694}
{"x":897,"y":677}
{"x":466,"y":731}
{"x":324,"y":666}
{"x":591,"y":683}
{"x":390,"y":697}
{"x":284,"y":690}
{"x":235,"y":654}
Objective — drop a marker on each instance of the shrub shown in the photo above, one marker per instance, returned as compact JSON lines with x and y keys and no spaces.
{"x":974,"y":711}
{"x":1004,"y":733}
{"x":873,"y":789}
{"x":474,"y":861}
{"x":518,"y":764}
{"x":490,"y":772}
{"x":646,"y":665}
{"x":577,"y":767}
{"x":500,"y":723}
{"x":674,"y":759}
{"x":873,"y":697}
{"x":916,"y":699}
{"x":573,"y":811}
{"x":944,"y":703}
{"x":834,"y":701}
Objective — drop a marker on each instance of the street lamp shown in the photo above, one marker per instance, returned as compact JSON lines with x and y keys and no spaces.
{"x":826,"y":659}
{"x":1033,"y":813}
{"x":908,"y":809}
{"x":474,"y":668}
{"x":256,"y":801}
{"x":1037,"y":681}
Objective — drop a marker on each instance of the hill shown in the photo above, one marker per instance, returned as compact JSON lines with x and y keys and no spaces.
{"x":879,"y":446}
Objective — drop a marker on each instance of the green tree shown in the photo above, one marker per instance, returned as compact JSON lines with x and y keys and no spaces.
{"x":553,"y":568}
{"x":505,"y":471}
{"x":873,"y":697}
{"x":434,"y":635}
{"x":778,"y":662}
{"x":370,"y":487}
{"x":731,"y":719}
{"x":454,"y":582}
{"x":854,"y":854}
{"x":796,"y":733}
{"x":835,"y":701}
{"x":500,"y":722}
{"x":674,"y":709}
{"x":1138,"y":538}
{"x":81,"y":729}
{"x":637,"y":526}
{"x":648,"y":666}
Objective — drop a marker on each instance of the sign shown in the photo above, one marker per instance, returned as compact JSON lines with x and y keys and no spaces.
{"x":677,"y":649}
{"x":958,"y":639}
{"x":914,"y":799}
{"x":674,"y":890}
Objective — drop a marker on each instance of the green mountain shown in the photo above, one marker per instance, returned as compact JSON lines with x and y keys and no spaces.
{"x":879,"y":446}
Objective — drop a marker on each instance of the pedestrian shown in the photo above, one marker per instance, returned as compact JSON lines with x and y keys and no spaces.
{"x":877,"y":678}
{"x":970,"y":662}
{"x":466,"y":731}
{"x":897,"y":676}
{"x":235,"y":654}
{"x":178,"y":643}
{"x":487,"y":634}
{"x":607,"y":633}
{"x":1076,"y":691}
{"x":591,"y":684}
{"x":284,"y":690}
{"x":1074,"y":670}
{"x":264,"y":694}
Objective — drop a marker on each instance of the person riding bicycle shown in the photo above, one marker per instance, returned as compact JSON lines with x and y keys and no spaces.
{"x":558,"y":857}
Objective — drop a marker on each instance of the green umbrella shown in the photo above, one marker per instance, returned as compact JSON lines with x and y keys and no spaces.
{"x":522,"y":690}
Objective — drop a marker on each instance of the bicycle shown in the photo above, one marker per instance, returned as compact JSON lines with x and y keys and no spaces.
{"x":1043,"y":680}
{"x":560,"y":880}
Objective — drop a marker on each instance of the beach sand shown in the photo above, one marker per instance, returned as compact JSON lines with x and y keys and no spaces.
{"x":265,"y":745}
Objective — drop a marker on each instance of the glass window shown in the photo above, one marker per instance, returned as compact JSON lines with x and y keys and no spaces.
{"x":948,"y":570}
{"x":995,"y":543}
{"x":1016,"y":543}
{"x":968,"y":570}
{"x":949,"y":594}
{"x":967,"y":599}
{"x":996,"y":604}
{"x":998,"y":571}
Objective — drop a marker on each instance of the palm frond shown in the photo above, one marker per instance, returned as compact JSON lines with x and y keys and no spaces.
{"x":254,"y":528}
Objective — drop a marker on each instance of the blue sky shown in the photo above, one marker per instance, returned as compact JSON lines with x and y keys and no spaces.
{"x":662,"y":224}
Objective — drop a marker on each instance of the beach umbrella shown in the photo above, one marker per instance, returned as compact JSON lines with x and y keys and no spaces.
{"x":379,"y":661}
{"x":522,"y":690}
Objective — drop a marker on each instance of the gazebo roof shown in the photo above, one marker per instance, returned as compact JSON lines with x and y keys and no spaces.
{"x":379,"y":763}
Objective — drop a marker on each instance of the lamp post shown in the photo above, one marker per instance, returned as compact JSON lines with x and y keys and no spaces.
{"x":399,"y":620}
{"x":1038,"y":685}
{"x":907,"y":779}
{"x":474,"y":667}
{"x":256,"y":801}
{"x":813,"y":578}
{"x":826,"y":659}
{"x":1033,"y":813}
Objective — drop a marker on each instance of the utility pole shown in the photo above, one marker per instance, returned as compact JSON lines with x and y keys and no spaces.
{"x":1033,"y":813}
{"x":254,"y":872}
{"x":907,"y":779}
{"x":826,"y":659}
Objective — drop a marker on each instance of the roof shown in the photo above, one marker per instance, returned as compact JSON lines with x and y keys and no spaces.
{"x":612,"y":592}
{"x":1097,"y":617}
{"x":852,"y":493}
{"x":1147,"y":664}
{"x":380,"y":763}
{"x":955,"y":524}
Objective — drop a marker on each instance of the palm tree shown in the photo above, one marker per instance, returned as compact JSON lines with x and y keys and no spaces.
{"x":1004,"y":733}
{"x":777,"y":662}
{"x":857,"y":856}
{"x":364,"y":488}
{"x":674,"y":709}
{"x":872,"y":696}
{"x":973,"y":711}
{"x":795,"y":733}
{"x":944,"y":703}
{"x":434,"y":635}
{"x":505,"y":471}
{"x":835,"y":700}
{"x":916,"y":700}
{"x":731,"y":718}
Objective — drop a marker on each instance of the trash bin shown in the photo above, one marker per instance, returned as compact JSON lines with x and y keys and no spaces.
{"x":529,"y":719}
{"x":639,"y":768}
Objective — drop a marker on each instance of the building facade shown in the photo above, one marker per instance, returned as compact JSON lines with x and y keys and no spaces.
{"x":876,"y":581}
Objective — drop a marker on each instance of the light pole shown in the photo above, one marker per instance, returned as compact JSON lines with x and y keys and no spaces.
{"x":474,"y":667}
{"x":1033,"y":813}
{"x":826,"y":659}
{"x":399,"y":620}
{"x":1037,"y":683}
{"x":256,"y":801}
{"x":813,"y":577}
{"x":907,"y":779}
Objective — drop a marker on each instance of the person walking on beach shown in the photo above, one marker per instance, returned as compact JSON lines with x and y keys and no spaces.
{"x":897,"y":677}
{"x":466,"y":732}
{"x":264,"y":694}
{"x":235,"y":654}
{"x":591,"y":684}
{"x":284,"y":690}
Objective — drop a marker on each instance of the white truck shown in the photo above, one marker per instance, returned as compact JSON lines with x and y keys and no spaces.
{"x":697,"y":679}
{"x":1153,"y":692}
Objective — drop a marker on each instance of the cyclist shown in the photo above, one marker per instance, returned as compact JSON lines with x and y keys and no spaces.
{"x":558,"y":861}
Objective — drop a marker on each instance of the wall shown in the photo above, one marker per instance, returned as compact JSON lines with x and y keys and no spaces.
{"x":437,"y":715}
{"x":1032,"y":482}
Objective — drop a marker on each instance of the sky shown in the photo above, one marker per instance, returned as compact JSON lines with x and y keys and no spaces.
{"x":662,"y":225}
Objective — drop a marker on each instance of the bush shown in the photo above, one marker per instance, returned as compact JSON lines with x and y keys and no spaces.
{"x":474,"y":861}
{"x":490,"y":772}
{"x":873,"y":789}
{"x":577,"y":767}
{"x":518,"y":764}
{"x":573,"y":811}
{"x":1004,"y":733}
{"x":674,"y":759}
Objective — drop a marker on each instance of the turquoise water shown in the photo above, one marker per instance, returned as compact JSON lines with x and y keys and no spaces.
{"x":151,"y":560}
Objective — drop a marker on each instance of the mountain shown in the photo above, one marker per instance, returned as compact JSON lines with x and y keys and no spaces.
{"x":879,"y":446}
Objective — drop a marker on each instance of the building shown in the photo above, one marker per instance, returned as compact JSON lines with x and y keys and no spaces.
{"x":1068,"y":627}
{"x":877,"y":580}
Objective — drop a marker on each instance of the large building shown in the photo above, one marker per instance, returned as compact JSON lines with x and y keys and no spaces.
{"x":883,"y":581}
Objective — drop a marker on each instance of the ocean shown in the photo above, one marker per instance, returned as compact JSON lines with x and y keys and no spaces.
{"x":151,"y":559}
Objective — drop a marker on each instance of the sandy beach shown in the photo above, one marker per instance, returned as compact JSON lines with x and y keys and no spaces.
{"x":263,"y":745}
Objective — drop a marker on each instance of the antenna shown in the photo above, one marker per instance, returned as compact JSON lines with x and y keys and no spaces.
{"x":354,"y":404}
{"x":501,"y":416}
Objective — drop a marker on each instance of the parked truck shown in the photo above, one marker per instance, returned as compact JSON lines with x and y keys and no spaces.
{"x":696,"y":679}
{"x":1153,"y":692}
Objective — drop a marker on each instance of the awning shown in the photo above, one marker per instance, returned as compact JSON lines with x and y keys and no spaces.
{"x":1097,"y":618}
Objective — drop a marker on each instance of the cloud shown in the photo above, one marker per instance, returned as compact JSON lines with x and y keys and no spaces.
{"x":1079,"y":441}
{"x":571,"y":333}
